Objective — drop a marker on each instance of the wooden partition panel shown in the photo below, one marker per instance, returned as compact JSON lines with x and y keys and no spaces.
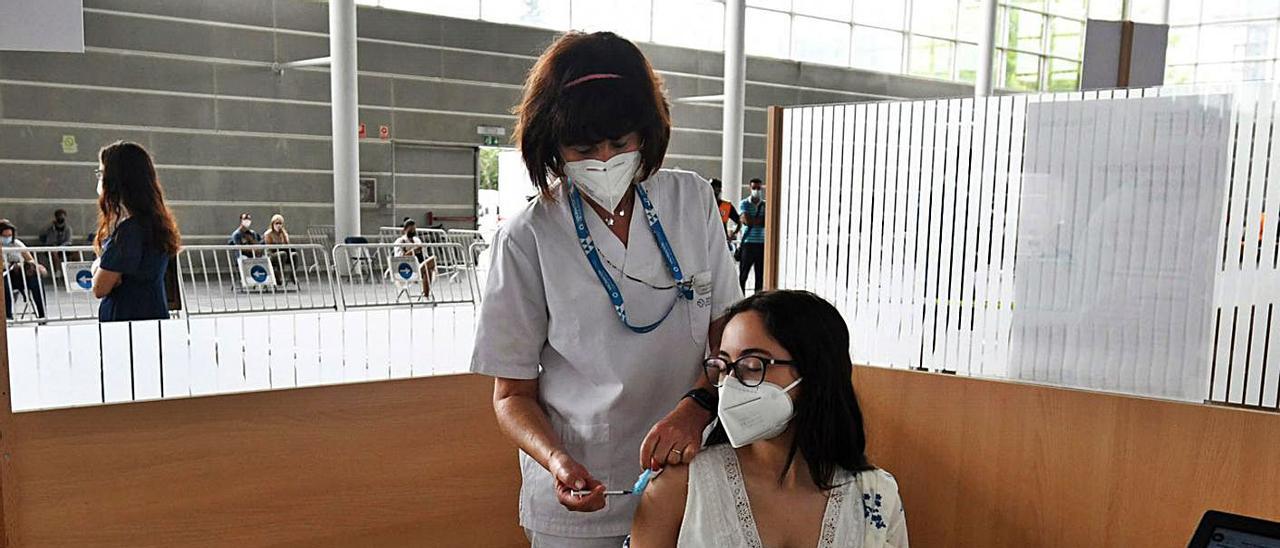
{"x":991,"y":463}
{"x":417,"y":462}
{"x":772,"y":196}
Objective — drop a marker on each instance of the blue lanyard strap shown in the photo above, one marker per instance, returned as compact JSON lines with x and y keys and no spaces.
{"x":611,"y":287}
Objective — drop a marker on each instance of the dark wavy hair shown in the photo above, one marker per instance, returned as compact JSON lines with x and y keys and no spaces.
{"x":828,"y":421}
{"x":552,"y":114}
{"x":130,"y":185}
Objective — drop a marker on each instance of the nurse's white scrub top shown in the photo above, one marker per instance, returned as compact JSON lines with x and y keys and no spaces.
{"x":545,"y":315}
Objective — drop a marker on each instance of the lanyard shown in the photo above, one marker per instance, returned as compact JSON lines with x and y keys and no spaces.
{"x":611,"y":287}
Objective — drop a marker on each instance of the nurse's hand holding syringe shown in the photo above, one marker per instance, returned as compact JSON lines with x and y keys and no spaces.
{"x":637,"y":489}
{"x":576,"y":489}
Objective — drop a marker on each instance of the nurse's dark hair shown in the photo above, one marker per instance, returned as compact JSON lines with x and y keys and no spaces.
{"x":561,"y":107}
{"x":828,"y":421}
{"x":130,"y":185}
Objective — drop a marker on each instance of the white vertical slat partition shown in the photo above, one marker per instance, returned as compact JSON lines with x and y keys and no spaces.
{"x":911,"y":217}
{"x":90,"y":364}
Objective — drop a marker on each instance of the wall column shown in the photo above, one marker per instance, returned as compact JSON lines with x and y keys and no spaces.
{"x":735,"y":91}
{"x":986,"y":50}
{"x":346,"y":119}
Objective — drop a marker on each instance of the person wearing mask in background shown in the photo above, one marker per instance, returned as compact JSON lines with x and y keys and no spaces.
{"x":752,"y":212}
{"x":602,"y":295}
{"x":282,"y":258}
{"x":727,"y":212}
{"x":405,"y":248}
{"x":21,"y":272}
{"x":787,"y":463}
{"x":136,"y":236}
{"x":58,"y":232}
{"x":244,"y":235}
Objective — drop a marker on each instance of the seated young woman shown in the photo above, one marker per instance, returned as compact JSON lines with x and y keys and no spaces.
{"x":786,"y":466}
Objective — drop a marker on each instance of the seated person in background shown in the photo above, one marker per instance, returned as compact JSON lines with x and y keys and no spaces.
{"x":426,"y":264}
{"x":786,"y":465}
{"x":21,"y":271}
{"x":244,"y":235}
{"x":277,"y":235}
{"x":57,"y":232}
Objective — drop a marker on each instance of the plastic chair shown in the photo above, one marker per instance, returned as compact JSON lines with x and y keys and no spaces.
{"x":360,"y":259}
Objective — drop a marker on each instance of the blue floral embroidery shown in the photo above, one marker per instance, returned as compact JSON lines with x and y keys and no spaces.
{"x":871,"y":509}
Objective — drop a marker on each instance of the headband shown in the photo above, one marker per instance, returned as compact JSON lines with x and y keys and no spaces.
{"x":590,"y":77}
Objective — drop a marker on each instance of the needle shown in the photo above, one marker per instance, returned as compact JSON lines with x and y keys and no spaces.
{"x":586,"y":492}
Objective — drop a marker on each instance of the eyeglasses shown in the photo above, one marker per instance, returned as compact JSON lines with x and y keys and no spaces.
{"x":750,"y":370}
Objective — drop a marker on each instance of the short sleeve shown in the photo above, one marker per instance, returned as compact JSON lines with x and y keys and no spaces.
{"x":512,"y":329}
{"x":724,"y":291}
{"x":124,"y":253}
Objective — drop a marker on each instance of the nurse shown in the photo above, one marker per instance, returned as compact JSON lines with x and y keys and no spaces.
{"x":603,"y":294}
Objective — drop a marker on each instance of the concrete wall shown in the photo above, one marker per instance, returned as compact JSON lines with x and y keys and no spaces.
{"x":192,"y":80}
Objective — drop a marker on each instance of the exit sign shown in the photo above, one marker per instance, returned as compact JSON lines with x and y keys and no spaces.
{"x":491,"y":140}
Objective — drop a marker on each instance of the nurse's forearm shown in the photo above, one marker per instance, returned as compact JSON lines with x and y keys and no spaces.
{"x":521,"y":418}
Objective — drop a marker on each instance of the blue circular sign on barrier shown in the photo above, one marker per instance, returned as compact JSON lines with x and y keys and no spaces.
{"x":258,"y":273}
{"x":405,"y":271}
{"x":84,"y":279}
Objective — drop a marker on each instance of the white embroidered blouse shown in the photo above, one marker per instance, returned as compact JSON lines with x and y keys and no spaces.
{"x":863,"y":510}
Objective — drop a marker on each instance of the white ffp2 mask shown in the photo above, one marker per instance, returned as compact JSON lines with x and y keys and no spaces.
{"x":752,"y":414}
{"x":604,"y":182}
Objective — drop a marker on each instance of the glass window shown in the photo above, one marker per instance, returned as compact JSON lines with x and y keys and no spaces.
{"x":1184,"y":11}
{"x":1220,"y":43}
{"x":1021,"y":71}
{"x":1070,"y":8}
{"x":689,"y":23}
{"x":630,"y":18}
{"x":828,"y":9}
{"x":1223,"y":10}
{"x":1024,"y":30}
{"x":967,"y":63}
{"x":1147,"y":11}
{"x":465,"y":9}
{"x":1066,"y":37}
{"x":1179,"y":74}
{"x":1029,"y":4}
{"x":880,"y":13}
{"x":1109,"y":10}
{"x":931,"y":58}
{"x":768,"y":33}
{"x":1182,"y":45}
{"x":934,"y":17}
{"x":877,"y":49}
{"x":1064,"y":75}
{"x":551,"y":14}
{"x":969,"y":28}
{"x":819,"y":41}
{"x":1234,"y":72}
{"x":780,"y":5}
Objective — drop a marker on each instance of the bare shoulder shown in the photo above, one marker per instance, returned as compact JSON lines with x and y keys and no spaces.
{"x":657,"y":521}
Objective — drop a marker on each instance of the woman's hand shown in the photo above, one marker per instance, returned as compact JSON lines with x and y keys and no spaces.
{"x":676,"y":438}
{"x":571,"y":476}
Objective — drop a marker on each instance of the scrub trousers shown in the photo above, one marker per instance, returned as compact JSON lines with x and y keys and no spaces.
{"x":543,"y":540}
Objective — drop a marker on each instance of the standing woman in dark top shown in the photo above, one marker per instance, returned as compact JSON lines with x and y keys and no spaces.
{"x":136,"y":236}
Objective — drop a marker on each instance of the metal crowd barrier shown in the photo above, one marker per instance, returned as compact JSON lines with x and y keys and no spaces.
{"x":387,"y":274}
{"x":321,"y":235}
{"x":221,"y":279}
{"x":56,"y":286}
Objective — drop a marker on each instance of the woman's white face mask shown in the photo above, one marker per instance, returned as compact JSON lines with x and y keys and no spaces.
{"x":750,"y":414}
{"x":605,"y":182}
